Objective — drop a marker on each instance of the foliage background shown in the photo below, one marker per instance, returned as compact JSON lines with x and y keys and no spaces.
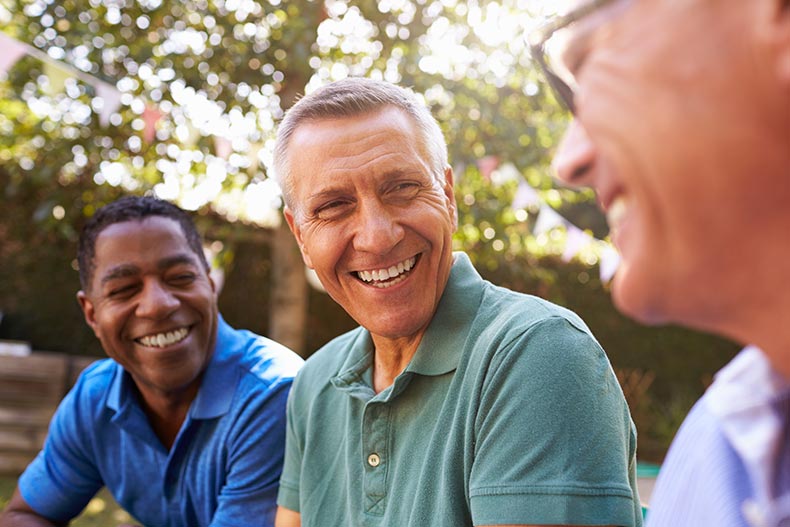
{"x":202,"y":84}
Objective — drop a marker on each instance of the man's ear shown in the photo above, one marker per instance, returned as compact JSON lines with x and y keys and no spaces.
{"x":297,"y":232}
{"x":88,"y":311}
{"x":784,"y":68}
{"x":449,"y":193}
{"x":775,"y":22}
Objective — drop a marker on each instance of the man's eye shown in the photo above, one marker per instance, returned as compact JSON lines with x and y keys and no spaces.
{"x":183,"y":278}
{"x":405,"y":189}
{"x":333,"y":209}
{"x":121,"y":291}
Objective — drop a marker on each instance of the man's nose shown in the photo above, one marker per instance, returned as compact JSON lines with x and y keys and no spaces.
{"x":575,"y":157}
{"x":378,"y":228}
{"x":156,"y":301}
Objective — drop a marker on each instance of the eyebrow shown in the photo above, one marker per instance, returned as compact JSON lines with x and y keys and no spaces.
{"x":127,"y":270}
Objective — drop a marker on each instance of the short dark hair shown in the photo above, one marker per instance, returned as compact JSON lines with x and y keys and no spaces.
{"x":132,"y":208}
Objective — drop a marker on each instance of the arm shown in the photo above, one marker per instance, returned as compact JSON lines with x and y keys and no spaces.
{"x":255,"y":462}
{"x":19,"y":514}
{"x":287,"y":518}
{"x":554,"y":443}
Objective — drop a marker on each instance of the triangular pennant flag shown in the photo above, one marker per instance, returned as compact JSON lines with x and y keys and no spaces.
{"x":111,"y":101}
{"x":13,"y":50}
{"x":57,"y":76}
{"x":254,"y":160}
{"x":610,"y":261}
{"x":487,"y":165}
{"x":526,"y":196}
{"x":222,"y":147}
{"x":547,"y":220}
{"x":575,"y":241}
{"x":151,"y":116}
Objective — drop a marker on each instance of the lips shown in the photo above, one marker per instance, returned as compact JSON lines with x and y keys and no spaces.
{"x":387,"y":277}
{"x":164,"y":339}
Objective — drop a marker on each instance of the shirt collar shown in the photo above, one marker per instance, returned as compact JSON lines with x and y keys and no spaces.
{"x":440,"y":349}
{"x":216,"y":389}
{"x":744,"y":397}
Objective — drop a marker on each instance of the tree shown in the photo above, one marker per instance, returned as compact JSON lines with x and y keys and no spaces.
{"x":201,"y":85}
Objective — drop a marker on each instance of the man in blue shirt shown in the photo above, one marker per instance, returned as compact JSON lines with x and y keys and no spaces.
{"x":185,"y":422}
{"x":682,"y":127}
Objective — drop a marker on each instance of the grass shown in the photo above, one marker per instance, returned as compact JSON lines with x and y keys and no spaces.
{"x":102,"y":511}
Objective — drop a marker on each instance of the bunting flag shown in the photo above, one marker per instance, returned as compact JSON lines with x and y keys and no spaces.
{"x":575,"y":241}
{"x":222,"y":147}
{"x":487,"y":165}
{"x":111,"y":101}
{"x":151,"y":116}
{"x":57,"y":76}
{"x":547,"y":220}
{"x":57,"y":72}
{"x":12,"y":52}
{"x":525,"y":196}
{"x":254,"y":160}
{"x":610,"y":261}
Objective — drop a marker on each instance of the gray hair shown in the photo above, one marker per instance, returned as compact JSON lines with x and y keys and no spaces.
{"x":348,"y":98}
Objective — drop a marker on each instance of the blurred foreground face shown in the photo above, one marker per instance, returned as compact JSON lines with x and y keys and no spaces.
{"x":372,"y":220}
{"x":152,"y":304}
{"x":683,"y":129}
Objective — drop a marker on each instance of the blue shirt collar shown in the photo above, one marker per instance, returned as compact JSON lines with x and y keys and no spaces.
{"x":217,"y":388}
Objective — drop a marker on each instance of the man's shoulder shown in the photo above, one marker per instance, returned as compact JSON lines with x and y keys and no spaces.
{"x":262,"y":358}
{"x":97,"y":377}
{"x":327,"y":361}
{"x":512,"y":310}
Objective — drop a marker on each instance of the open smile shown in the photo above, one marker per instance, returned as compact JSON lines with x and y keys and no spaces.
{"x":165,"y":339}
{"x":383,"y":278}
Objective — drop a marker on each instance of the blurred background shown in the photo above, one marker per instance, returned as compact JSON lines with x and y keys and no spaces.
{"x":101,"y":98}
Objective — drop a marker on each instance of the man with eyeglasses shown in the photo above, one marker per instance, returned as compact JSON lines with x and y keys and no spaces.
{"x":682,"y":127}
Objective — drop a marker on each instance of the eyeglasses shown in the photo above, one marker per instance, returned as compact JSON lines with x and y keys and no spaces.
{"x":564,"y":90}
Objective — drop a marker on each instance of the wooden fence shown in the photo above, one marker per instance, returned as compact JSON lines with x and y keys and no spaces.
{"x":30,"y":389}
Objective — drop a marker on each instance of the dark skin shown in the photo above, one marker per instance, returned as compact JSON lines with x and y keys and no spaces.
{"x":153,"y":307}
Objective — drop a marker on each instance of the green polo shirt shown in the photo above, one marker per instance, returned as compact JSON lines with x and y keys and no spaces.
{"x":509,"y":412}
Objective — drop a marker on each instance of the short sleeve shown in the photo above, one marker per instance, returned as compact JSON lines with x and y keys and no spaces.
{"x":255,"y":463}
{"x":63,"y":477}
{"x":288,"y":496}
{"x":554,"y":441}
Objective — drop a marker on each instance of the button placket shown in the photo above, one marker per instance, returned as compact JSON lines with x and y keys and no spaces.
{"x":375,"y":431}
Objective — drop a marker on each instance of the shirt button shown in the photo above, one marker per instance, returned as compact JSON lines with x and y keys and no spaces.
{"x":374,"y":460}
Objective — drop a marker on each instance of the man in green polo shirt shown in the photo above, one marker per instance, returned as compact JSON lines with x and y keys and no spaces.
{"x":456,"y":402}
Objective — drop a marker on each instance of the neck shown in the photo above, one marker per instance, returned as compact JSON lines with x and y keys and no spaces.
{"x":166,"y":412}
{"x":390,"y":358}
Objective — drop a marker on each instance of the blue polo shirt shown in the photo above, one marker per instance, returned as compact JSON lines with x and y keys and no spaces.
{"x":223,"y":467}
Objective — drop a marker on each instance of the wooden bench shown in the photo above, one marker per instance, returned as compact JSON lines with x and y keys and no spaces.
{"x":30,"y":389}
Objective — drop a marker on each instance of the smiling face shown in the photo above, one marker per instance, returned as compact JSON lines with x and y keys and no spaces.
{"x":152,"y":305}
{"x":372,"y":220}
{"x":680,"y":133}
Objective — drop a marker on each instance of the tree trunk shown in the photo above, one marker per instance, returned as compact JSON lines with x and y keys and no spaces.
{"x":288,"y":300}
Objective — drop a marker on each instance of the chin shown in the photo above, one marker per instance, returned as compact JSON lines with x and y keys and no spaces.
{"x":645,"y":305}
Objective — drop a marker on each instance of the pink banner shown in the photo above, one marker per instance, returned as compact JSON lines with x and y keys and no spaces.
{"x":12,"y":51}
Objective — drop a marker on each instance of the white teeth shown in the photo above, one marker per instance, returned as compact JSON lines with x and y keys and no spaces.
{"x":616,"y":211}
{"x":394,"y":272}
{"x":162,"y":340}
